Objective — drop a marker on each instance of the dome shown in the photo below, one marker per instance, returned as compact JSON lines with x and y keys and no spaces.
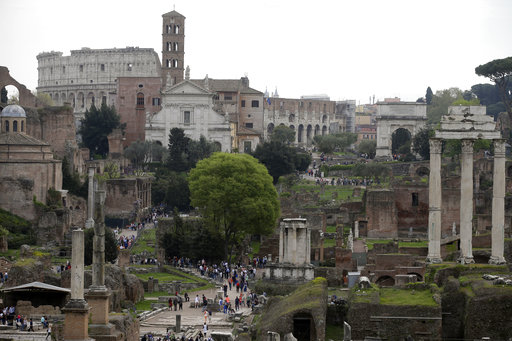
{"x":13,"y":110}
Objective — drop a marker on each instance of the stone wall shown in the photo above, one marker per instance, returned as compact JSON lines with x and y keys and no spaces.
{"x":382,"y":214}
{"x":394,"y":322}
{"x":126,"y":196}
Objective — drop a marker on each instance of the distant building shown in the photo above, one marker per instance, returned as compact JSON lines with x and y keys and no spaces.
{"x":307,"y":116}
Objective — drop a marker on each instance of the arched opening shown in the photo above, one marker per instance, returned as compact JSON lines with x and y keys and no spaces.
{"x":56,"y":98}
{"x":291,"y":118}
{"x":176,"y":47}
{"x":270,"y":129}
{"x":304,"y":327}
{"x":300,"y":133}
{"x":217,"y":146}
{"x":22,"y":126}
{"x":90,"y":99}
{"x":176,"y":29}
{"x":81,"y":100}
{"x":10,"y":95}
{"x":317,"y":130}
{"x":309,"y":134}
{"x":71,"y":99}
{"x":401,"y":141}
{"x":385,"y":281}
{"x":292,"y":127}
{"x":174,"y":63}
{"x":6,"y":123}
{"x":158,"y":143}
{"x":423,"y":171}
{"x":63,"y":97}
{"x":419,"y":278}
{"x":324,"y":130}
{"x":103,"y":98}
{"x":324,"y":117}
{"x":14,"y":126}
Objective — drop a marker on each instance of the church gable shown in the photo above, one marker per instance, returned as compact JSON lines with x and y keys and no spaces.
{"x":186,"y":87}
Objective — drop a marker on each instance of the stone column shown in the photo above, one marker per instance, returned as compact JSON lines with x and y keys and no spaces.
{"x":98,"y":295}
{"x":294,"y":245}
{"x":434,"y":200}
{"x":281,"y":243}
{"x":76,"y":310}
{"x":89,"y":223}
{"x":356,"y":229}
{"x":498,"y":203}
{"x":466,"y":203}
{"x":308,"y":246}
{"x":178,"y":323}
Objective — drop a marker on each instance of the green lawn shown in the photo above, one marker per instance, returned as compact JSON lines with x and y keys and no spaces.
{"x":370,"y":242}
{"x":329,"y":242}
{"x":164,"y":277}
{"x":334,"y":332}
{"x":392,"y":296}
{"x":330,"y":229}
{"x":146,"y":242}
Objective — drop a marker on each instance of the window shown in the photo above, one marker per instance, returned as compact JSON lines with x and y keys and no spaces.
{"x":6,"y":126}
{"x":22,"y":126}
{"x":176,"y":47}
{"x":176,"y":29}
{"x":175,"y":63}
{"x":140,"y":100}
{"x":247,"y":147}
{"x":248,"y":125}
{"x":81,"y":68}
{"x":186,"y":117}
{"x":63,"y":69}
{"x":102,"y":67}
{"x":243,"y":103}
{"x":228,"y":97}
{"x":255,"y":104}
{"x":141,"y":85}
{"x":129,"y":66}
{"x":156,"y":101}
{"x":15,"y":126}
{"x":415,"y":200}
{"x":169,"y":45}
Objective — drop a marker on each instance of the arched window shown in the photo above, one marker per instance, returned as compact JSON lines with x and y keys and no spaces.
{"x":22,"y":126}
{"x":6,"y":126}
{"x":140,"y":100}
{"x":15,"y":126}
{"x":177,"y":29}
{"x":174,"y":63}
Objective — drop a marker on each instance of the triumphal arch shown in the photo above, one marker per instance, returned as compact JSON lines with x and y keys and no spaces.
{"x":392,"y":116}
{"x":466,"y":123}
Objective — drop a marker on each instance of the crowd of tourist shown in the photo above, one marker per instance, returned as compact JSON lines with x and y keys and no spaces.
{"x":345,"y":181}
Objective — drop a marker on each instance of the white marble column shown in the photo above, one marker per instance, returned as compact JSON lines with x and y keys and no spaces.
{"x":89,"y":223}
{"x":466,"y":202}
{"x":434,"y":200}
{"x":498,"y":203}
{"x":77,"y":265}
{"x":308,"y":246}
{"x":281,"y":244}
{"x":294,"y":245}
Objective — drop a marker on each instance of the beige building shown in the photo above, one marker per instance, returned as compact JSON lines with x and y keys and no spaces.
{"x":27,"y":167}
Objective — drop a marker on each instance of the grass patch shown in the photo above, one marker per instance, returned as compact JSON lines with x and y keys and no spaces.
{"x":330,"y":229}
{"x":143,"y":305}
{"x":343,"y":193}
{"x":392,"y":296}
{"x":255,"y":246}
{"x":156,"y":294}
{"x":334,"y":332}
{"x":329,"y":242}
{"x":371,"y":242}
{"x":164,"y":277}
{"x":146,"y":242}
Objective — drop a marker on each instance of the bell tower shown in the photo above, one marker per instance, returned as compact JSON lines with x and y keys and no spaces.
{"x":173,"y":47}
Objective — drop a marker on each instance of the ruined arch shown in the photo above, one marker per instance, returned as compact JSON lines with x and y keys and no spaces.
{"x":419,"y":278}
{"x":291,"y":118}
{"x":217,"y":146}
{"x":270,"y":129}
{"x":25,"y":96}
{"x":385,"y":281}
{"x":81,"y":100}
{"x":309,"y":134}
{"x":300,"y":133}
{"x":71,"y":100}
{"x":317,"y":130}
{"x":90,"y":100}
{"x":324,"y":130}
{"x":56,"y":98}
{"x":63,"y":97}
{"x":324,"y":118}
{"x":304,"y":326}
{"x":422,"y":171}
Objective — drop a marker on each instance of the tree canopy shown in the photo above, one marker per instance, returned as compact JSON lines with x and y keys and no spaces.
{"x":96,"y":126}
{"x":142,"y":152}
{"x":283,"y":134}
{"x":429,"y":95}
{"x":281,"y":159}
{"x":236,"y":196}
{"x":367,"y":147}
{"x":185,"y":152}
{"x":499,"y":71}
{"x":421,"y":144}
{"x":329,"y":143}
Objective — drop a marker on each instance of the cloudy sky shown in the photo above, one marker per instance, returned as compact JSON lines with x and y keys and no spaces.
{"x":345,"y":49}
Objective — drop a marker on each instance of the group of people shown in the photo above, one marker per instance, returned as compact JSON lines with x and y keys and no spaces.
{"x":3,"y":276}
{"x":8,"y":317}
{"x":345,"y":182}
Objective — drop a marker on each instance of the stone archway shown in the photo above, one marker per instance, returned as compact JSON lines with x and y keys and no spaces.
{"x":300,"y":133}
{"x":401,"y":141}
{"x":309,"y":135}
{"x":385,"y":281}
{"x":411,"y":116}
{"x":26,"y":98}
{"x":304,"y":327}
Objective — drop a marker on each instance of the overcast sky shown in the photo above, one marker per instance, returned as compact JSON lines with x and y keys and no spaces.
{"x":345,"y":49}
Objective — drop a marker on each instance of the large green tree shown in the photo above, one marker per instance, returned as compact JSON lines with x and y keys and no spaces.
{"x":96,"y":126}
{"x":283,"y":134}
{"x":421,"y":144}
{"x":440,"y":103}
{"x":499,"y":71}
{"x":329,"y":143}
{"x":171,"y":188}
{"x":178,"y":150}
{"x":367,"y":147}
{"x":236,"y":196}
{"x":141,"y":153}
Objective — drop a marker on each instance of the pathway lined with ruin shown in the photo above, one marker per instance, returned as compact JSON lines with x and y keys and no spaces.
{"x":193,"y":317}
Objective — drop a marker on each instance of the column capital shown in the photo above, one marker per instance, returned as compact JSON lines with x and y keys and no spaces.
{"x":435,"y":145}
{"x":467,"y":146}
{"x":499,"y":147}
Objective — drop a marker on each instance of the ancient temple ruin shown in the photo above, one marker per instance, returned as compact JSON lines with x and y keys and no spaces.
{"x":294,"y":252}
{"x":466,"y":123}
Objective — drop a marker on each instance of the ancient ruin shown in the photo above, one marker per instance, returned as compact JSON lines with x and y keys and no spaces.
{"x":466,"y":124}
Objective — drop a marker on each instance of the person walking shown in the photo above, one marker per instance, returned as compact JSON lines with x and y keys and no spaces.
{"x":49,"y":331}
